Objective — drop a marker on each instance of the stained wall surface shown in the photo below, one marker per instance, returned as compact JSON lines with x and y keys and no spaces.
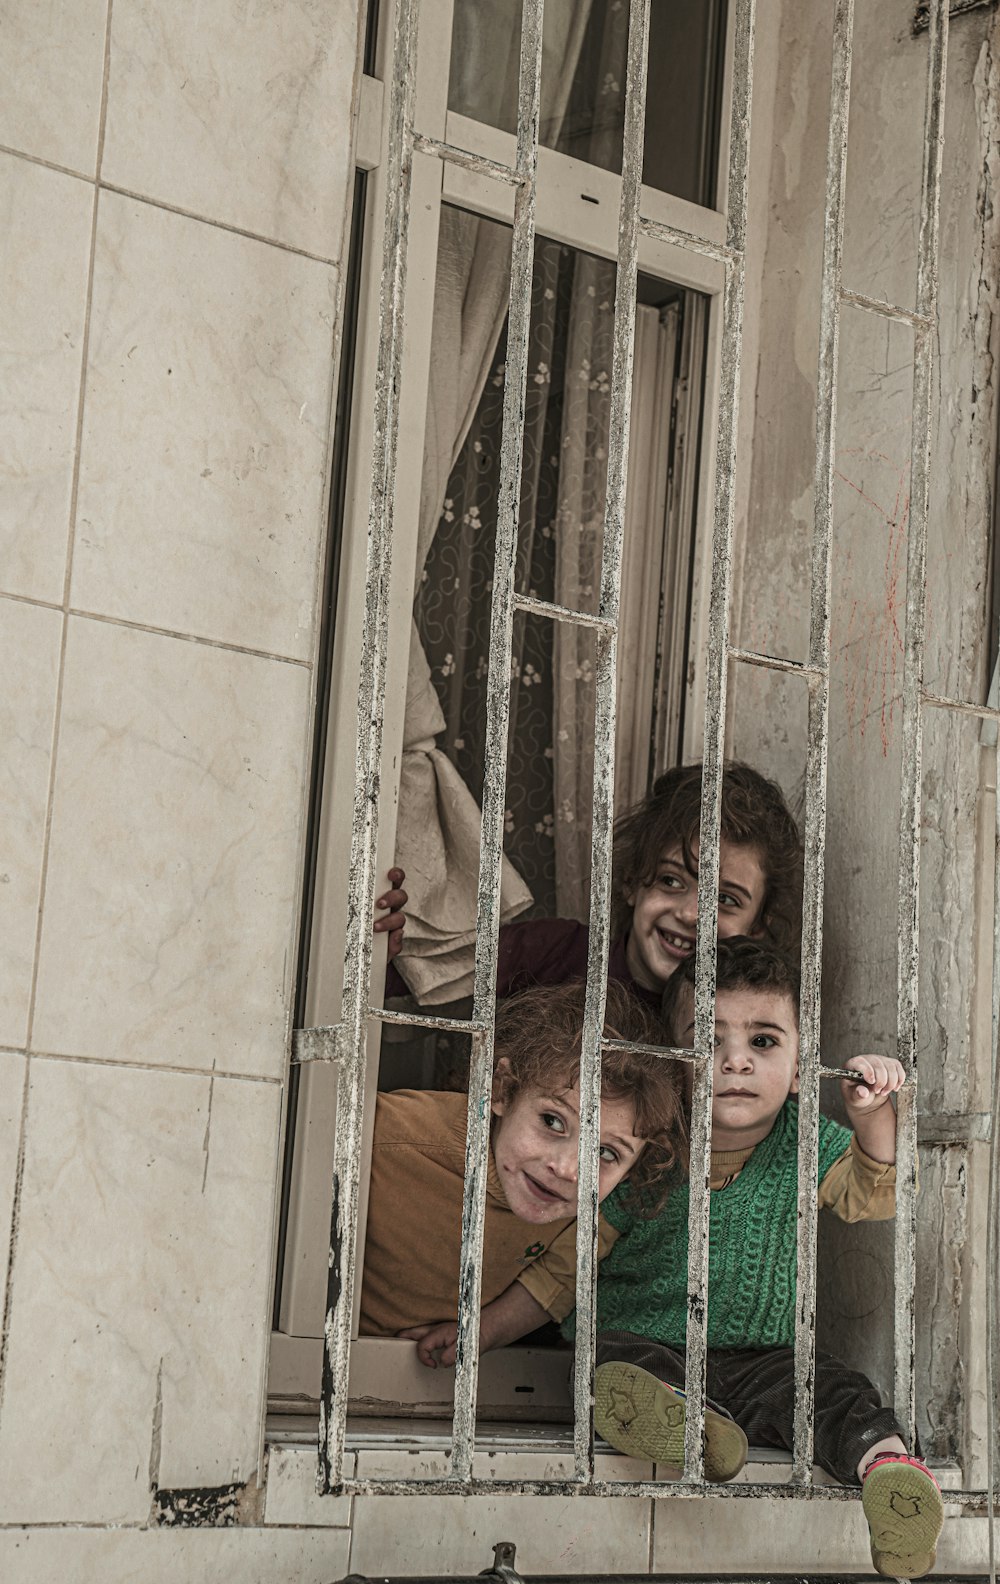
{"x":868,"y":624}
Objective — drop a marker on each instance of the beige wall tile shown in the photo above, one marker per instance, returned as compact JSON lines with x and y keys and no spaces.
{"x":169,"y":908}
{"x":44,"y":255}
{"x":706,"y":1536}
{"x":51,"y":77}
{"x":206,"y":427}
{"x":291,"y":1496}
{"x":239,"y":113}
{"x":553,"y":1534}
{"x":11,"y":1095}
{"x":29,"y":651}
{"x":142,"y":1260}
{"x":167,"y":1556}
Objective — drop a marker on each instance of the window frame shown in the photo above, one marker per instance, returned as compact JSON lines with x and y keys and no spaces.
{"x":577,"y":204}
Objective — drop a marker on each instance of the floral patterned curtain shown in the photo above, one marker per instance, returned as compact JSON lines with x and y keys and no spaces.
{"x":547,"y":825}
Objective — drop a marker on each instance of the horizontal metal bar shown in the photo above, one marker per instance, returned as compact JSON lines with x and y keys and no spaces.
{"x":658,"y":1490}
{"x":467,"y":159}
{"x":775,"y":662}
{"x":886,"y":310}
{"x":538,"y":607}
{"x":661,"y":232}
{"x":960,"y":706}
{"x":426,"y":1020}
{"x":318,"y":1044}
{"x":677,"y":1053}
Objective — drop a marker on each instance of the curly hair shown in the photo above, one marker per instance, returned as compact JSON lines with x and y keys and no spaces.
{"x":741,"y":964}
{"x":754,"y":814}
{"x":539,"y":1033}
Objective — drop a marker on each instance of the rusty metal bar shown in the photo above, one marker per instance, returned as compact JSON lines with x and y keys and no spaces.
{"x":768,"y":662}
{"x":817,"y":748}
{"x":715,"y":736}
{"x":659,"y":1489}
{"x":704,"y":246}
{"x":546,"y":608}
{"x":910,"y":793}
{"x":885,"y":310}
{"x":986,"y":711}
{"x":320,"y":1044}
{"x":604,"y":734}
{"x":479,"y":163}
{"x":371,"y":703}
{"x":497,"y":722}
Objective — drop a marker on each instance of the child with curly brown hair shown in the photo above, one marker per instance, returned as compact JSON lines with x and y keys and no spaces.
{"x":413,"y":1241}
{"x":655,"y":889}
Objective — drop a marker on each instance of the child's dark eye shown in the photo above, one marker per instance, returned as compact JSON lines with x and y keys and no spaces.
{"x":609,"y":1155}
{"x":727,"y":900}
{"x":670,"y":882}
{"x":763,"y":1041}
{"x":553,"y":1122}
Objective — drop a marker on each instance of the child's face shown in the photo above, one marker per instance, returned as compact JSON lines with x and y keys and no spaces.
{"x":535,"y":1144}
{"x":756,"y":1062}
{"x":665,"y":914}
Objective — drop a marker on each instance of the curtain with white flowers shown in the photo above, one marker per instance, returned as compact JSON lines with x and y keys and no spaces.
{"x":547,"y":825}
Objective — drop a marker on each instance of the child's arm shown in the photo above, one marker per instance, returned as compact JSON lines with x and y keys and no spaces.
{"x":545,"y":1290}
{"x":870,"y":1111}
{"x":508,"y":1317}
{"x":392,"y":903}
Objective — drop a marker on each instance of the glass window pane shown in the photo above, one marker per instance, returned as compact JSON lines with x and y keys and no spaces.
{"x":583,"y":83}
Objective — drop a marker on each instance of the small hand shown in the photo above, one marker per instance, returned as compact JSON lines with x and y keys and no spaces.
{"x":433,"y":1339}
{"x":395,"y":920}
{"x":883,"y":1075}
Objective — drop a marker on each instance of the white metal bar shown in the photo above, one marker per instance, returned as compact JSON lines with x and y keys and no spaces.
{"x":910,"y":794}
{"x":497,"y":721}
{"x":817,"y":747}
{"x":715,"y":729}
{"x":371,"y":703}
{"x":884,"y":310}
{"x":604,"y":732}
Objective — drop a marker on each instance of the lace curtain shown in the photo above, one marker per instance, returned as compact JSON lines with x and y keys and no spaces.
{"x":547,"y":822}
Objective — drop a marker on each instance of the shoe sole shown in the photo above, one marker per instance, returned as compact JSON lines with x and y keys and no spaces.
{"x":905,"y":1512}
{"x":640,"y":1415}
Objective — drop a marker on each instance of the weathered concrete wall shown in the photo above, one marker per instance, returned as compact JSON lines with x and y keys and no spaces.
{"x":868,"y":611}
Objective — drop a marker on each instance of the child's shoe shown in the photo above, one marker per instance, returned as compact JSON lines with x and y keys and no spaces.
{"x":902,"y":1502}
{"x":643,"y":1417}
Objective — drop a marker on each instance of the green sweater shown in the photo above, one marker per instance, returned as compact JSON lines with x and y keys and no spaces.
{"x":642,"y":1284}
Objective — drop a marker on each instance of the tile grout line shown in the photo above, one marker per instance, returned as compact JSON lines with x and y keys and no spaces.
{"x":193,"y":638}
{"x":159,"y":632}
{"x":52,"y":165}
{"x":130,"y":1064}
{"x":221,"y":225}
{"x":171,"y":208}
{"x":15,"y":1211}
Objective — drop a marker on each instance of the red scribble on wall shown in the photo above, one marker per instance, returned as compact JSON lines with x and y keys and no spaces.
{"x":873,"y":646}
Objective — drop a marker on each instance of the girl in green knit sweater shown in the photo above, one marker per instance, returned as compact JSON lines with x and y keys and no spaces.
{"x":642,"y":1290}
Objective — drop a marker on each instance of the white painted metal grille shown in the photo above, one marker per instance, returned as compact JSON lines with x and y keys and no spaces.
{"x":345,"y":1043}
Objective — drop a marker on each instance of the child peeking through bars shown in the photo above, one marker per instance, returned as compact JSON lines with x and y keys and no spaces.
{"x":655,"y":889}
{"x":413,"y":1242}
{"x":642,"y":1286}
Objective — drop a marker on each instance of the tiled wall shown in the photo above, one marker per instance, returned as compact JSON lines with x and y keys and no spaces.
{"x":173,"y":186}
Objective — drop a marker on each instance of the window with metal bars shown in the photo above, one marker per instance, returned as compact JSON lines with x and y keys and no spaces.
{"x":409,"y":151}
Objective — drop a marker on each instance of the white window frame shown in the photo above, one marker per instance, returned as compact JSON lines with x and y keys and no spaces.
{"x":589,"y":223}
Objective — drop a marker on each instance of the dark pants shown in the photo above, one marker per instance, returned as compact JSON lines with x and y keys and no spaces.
{"x":757,"y":1386}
